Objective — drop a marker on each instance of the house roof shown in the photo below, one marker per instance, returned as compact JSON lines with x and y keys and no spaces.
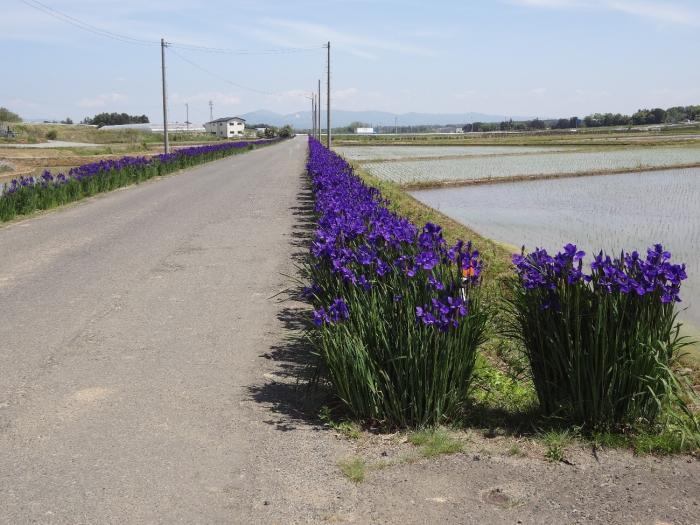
{"x":227,"y":119}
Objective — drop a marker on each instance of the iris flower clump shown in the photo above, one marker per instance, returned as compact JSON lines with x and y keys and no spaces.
{"x":28,"y":194}
{"x":397,"y":310}
{"x":601,"y":343}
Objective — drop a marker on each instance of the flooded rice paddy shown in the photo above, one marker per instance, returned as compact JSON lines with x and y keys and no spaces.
{"x":435,"y":165}
{"x":374,"y":153}
{"x":612,"y":212}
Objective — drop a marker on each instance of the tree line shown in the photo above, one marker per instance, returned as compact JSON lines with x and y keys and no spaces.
{"x":672,"y":115}
{"x":115,"y":119}
{"x":270,"y":131}
{"x":8,"y":116}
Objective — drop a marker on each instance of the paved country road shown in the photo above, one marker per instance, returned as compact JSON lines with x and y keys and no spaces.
{"x":130,"y":336}
{"x":147,"y":376}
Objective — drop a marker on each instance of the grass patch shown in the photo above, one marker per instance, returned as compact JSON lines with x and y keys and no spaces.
{"x":663,"y":444}
{"x":435,"y":442}
{"x":354,"y":469}
{"x":556,"y":442}
{"x":516,"y":451}
{"x":349,"y":429}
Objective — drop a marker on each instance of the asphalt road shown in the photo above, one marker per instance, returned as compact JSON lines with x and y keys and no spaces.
{"x":131,"y":331}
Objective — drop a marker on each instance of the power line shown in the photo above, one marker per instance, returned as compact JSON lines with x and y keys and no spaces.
{"x":221,"y":50}
{"x":216,"y":75}
{"x":85,"y":26}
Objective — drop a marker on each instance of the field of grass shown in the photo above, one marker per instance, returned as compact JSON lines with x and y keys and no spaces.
{"x":112,"y":145}
{"x":583,"y":137}
{"x":37,"y":133}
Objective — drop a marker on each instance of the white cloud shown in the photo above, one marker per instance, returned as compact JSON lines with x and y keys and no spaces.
{"x":20,"y":103}
{"x":299,"y":34}
{"x":667,"y":12}
{"x":100,"y":100}
{"x":466,"y":94}
{"x":344,"y":94}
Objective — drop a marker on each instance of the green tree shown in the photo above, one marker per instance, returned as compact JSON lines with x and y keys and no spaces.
{"x":536,"y":124}
{"x":286,"y":131}
{"x":659,"y":115}
{"x":113,"y":119}
{"x":8,"y":116}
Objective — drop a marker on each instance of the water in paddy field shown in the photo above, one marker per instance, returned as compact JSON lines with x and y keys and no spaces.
{"x":364,"y":153}
{"x":442,"y":167}
{"x":630,"y":211}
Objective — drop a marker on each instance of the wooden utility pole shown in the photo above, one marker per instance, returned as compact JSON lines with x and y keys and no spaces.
{"x":313,"y":116}
{"x":328,"y":99}
{"x":318,"y":126}
{"x":166,"y":145}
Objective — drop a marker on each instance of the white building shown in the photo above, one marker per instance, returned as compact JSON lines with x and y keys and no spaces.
{"x":364,"y":131}
{"x":226,"y":127}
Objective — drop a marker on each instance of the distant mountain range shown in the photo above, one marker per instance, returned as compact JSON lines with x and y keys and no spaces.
{"x":341,"y":117}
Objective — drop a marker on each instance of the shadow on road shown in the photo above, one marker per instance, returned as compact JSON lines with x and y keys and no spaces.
{"x":292,"y":390}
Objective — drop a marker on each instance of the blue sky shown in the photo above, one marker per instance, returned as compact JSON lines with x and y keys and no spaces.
{"x":512,"y":57}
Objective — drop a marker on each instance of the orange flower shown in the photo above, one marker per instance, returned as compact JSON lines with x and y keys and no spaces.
{"x":467,"y":272}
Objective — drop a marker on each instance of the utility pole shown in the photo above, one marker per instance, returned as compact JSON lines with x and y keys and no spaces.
{"x":166,"y":145}
{"x":396,"y":127}
{"x":211,"y":111}
{"x":313,"y":115}
{"x":318,"y":127}
{"x":328,"y":99}
{"x":187,"y":116}
{"x":311,"y":98}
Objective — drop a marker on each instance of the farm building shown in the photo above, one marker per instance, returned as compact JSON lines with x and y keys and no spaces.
{"x":226,"y":127}
{"x":364,"y":131}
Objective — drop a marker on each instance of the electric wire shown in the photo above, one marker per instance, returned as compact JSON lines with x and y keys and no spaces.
{"x":84,"y":25}
{"x":216,"y":75}
{"x":80,"y":24}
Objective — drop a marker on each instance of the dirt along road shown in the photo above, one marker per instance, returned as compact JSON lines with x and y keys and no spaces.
{"x":148,"y":376}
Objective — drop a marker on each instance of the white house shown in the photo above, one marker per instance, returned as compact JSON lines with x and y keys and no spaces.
{"x":364,"y":131}
{"x":226,"y":127}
